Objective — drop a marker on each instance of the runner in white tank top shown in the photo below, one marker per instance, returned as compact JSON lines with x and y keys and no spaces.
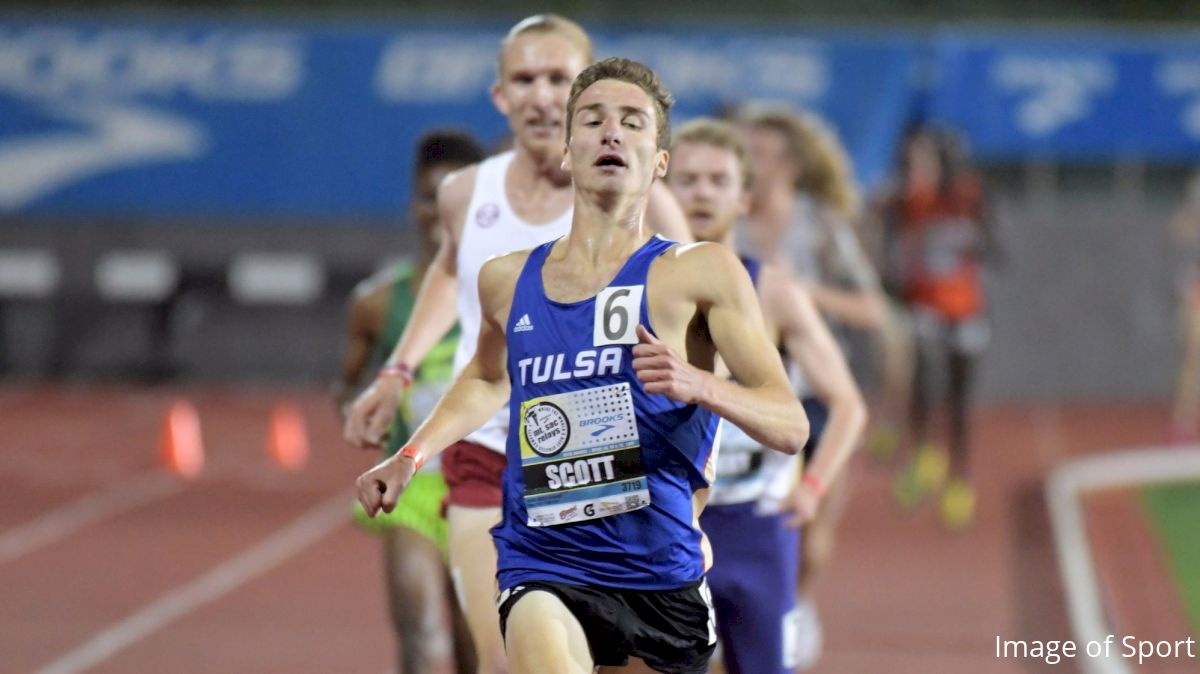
{"x":491,"y":229}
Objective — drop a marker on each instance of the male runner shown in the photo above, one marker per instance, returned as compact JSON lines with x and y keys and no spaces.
{"x":601,"y":559}
{"x":512,"y":201}
{"x":755,"y":542}
{"x":414,"y":534}
{"x":802,"y":203}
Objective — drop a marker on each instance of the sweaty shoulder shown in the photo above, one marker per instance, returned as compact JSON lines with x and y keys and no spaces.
{"x":698,"y":272}
{"x":454,"y":196}
{"x":497,"y":280}
{"x":701,"y":259}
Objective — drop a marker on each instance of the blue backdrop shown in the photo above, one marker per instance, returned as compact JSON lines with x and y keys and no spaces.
{"x":1081,"y":96}
{"x":291,"y":120}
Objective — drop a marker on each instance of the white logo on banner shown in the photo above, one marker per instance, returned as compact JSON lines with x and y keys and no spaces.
{"x":55,"y":62}
{"x":1181,"y":78}
{"x":113,"y":137}
{"x":784,"y":68}
{"x":87,"y":78}
{"x":441,"y":70}
{"x":1061,"y":90}
{"x":797,"y":68}
{"x":797,"y":74}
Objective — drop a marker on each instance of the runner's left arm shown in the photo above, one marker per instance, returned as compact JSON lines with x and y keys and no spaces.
{"x":761,"y":402}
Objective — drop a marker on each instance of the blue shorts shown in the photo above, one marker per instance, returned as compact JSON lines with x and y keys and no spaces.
{"x":753,"y":583}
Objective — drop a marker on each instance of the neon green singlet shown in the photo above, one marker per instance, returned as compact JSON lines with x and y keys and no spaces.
{"x":432,"y":377}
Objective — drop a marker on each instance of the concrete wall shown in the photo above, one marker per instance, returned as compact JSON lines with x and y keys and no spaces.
{"x":1084,"y":304}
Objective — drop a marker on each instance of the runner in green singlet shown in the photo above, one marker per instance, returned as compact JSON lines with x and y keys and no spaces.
{"x":414,"y":534}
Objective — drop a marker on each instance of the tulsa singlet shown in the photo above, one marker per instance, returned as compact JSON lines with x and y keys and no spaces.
{"x":600,"y":475}
{"x":491,"y":228}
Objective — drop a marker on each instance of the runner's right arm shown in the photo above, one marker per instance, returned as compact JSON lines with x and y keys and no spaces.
{"x":434,"y":313}
{"x":477,"y":392}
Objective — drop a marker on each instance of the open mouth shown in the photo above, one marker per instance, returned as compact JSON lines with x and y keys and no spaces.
{"x":610,"y":160}
{"x":542,"y":124}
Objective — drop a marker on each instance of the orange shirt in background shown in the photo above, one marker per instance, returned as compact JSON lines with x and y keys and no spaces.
{"x":941,"y":237}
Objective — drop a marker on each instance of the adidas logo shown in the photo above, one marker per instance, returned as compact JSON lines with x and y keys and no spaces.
{"x":523,"y":325}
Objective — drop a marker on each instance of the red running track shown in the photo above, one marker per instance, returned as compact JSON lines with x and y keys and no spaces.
{"x":107,"y":565}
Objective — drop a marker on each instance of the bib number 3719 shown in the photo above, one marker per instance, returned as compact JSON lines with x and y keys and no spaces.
{"x":617,"y":315}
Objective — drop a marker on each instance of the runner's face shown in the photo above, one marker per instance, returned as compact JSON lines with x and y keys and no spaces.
{"x":424,"y":201}
{"x":534,"y":85}
{"x":769,"y":157}
{"x":707,"y":182}
{"x":614,"y":139}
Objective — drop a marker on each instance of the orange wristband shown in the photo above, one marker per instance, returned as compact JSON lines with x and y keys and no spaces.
{"x":415,"y":454}
{"x":813,"y":483}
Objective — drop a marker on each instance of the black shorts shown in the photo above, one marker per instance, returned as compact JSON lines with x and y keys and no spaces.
{"x":672,"y":630}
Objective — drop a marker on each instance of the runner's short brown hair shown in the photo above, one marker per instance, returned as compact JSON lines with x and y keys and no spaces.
{"x":626,"y":70}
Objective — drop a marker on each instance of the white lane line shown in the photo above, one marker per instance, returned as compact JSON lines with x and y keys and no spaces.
{"x":222,"y":579}
{"x":85,"y":511}
{"x":1064,"y":492}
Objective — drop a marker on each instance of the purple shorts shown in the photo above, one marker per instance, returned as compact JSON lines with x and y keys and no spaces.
{"x":753,"y":583}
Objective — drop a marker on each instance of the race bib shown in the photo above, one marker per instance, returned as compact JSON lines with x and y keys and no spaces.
{"x":739,"y":463}
{"x":581,"y":456}
{"x":617,"y":313}
{"x":741,"y":457}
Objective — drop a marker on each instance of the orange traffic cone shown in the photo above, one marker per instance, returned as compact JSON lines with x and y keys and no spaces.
{"x":182,"y":445}
{"x":287,"y":437}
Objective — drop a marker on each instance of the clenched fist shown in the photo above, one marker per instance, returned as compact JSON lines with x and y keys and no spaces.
{"x":661,"y":370}
{"x":380,"y":487}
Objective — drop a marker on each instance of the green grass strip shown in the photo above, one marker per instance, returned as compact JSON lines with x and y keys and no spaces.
{"x":1174,"y":511}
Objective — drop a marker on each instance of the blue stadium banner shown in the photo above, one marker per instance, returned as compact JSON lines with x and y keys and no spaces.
{"x":1072,"y":96}
{"x":284,"y":120}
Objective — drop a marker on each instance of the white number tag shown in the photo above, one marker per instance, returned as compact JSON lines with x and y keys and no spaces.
{"x":617,"y":315}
